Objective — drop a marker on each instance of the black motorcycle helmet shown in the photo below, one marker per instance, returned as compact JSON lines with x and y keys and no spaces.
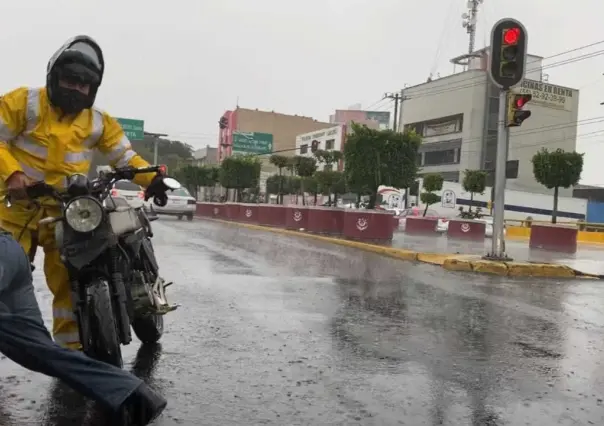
{"x":79,"y":60}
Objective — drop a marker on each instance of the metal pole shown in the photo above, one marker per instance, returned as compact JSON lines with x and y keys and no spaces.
{"x":155,"y":137}
{"x":396,"y":101}
{"x":498,"y":243}
{"x":155,"y":145}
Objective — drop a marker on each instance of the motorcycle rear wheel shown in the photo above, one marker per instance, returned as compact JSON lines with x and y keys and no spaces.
{"x":149,"y":328}
{"x":103,"y":339}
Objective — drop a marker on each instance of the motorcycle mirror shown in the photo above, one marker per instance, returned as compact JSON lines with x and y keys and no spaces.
{"x":172,"y":183}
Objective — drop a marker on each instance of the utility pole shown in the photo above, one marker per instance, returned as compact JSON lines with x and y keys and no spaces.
{"x":155,"y":137}
{"x":398,"y":98}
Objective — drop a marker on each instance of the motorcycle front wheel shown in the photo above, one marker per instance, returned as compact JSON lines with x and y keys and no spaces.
{"x":149,"y":328}
{"x":103,"y":338}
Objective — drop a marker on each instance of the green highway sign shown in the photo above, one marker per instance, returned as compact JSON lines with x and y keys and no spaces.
{"x":134,"y":129}
{"x":252,"y":143}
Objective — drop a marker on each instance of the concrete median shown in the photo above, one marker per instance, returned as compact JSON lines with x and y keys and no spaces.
{"x":450,"y":262}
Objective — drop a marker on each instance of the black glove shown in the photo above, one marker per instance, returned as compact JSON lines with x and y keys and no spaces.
{"x":157,"y":190}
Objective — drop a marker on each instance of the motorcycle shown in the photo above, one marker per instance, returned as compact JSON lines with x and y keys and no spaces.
{"x":114,"y":274}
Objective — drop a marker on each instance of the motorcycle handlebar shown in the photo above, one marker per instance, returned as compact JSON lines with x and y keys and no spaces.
{"x":42,"y":189}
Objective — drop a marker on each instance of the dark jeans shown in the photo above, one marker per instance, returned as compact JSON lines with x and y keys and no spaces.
{"x":25,"y":339}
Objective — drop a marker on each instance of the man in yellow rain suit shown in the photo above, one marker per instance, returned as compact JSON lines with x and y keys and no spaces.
{"x":47,"y":134}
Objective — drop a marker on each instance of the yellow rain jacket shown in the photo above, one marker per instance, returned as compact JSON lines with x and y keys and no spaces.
{"x":36,"y":140}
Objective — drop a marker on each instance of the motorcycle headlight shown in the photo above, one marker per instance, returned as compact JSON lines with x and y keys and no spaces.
{"x":84,"y":214}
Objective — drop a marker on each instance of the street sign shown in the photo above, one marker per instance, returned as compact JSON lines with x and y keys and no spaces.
{"x":134,"y":129}
{"x":252,"y":143}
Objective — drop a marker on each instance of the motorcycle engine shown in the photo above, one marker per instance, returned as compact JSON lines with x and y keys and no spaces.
{"x":148,"y":293}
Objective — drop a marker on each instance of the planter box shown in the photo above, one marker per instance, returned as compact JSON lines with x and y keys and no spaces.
{"x":553,"y":237}
{"x":367,"y":225}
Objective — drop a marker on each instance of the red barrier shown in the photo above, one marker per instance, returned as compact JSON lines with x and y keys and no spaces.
{"x":230,"y":211}
{"x":368,"y":225}
{"x":272,"y":215}
{"x":213,"y":210}
{"x":466,"y":229}
{"x":217,"y":210}
{"x":325,"y":220}
{"x":420,"y":225}
{"x":296,"y":217}
{"x":204,"y":209}
{"x":553,"y":237}
{"x":248,"y":213}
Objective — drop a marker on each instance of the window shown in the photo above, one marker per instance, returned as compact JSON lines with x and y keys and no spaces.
{"x":330,"y":144}
{"x":126,"y":185}
{"x":328,"y":167}
{"x":303,"y":149}
{"x":182,"y":192}
{"x":437,"y":158}
{"x":438,"y":126}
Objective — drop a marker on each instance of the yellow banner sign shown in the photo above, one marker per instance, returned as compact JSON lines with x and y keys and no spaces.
{"x":547,"y":95}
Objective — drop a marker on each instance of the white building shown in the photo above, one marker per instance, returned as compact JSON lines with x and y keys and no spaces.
{"x":457,"y":119}
{"x":331,"y":139}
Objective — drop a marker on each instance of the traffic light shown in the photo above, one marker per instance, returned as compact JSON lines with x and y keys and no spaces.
{"x":314,"y":146}
{"x":223,"y":122}
{"x":516,"y":114}
{"x":508,"y":53}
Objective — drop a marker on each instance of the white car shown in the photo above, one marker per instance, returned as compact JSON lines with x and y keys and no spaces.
{"x":133,"y":193}
{"x":180,"y":203}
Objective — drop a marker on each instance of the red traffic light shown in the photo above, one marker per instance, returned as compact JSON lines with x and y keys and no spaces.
{"x":522,"y":100}
{"x":163,"y":169}
{"x":511,"y":35}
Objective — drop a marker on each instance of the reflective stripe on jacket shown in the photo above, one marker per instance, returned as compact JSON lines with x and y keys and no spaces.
{"x":36,"y":140}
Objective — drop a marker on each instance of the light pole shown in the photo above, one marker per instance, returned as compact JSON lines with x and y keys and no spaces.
{"x":155,"y":137}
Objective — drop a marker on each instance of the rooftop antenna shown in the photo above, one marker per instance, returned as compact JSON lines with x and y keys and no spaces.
{"x":469,"y":20}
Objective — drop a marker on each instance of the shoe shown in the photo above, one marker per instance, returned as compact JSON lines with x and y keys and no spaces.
{"x":143,"y":406}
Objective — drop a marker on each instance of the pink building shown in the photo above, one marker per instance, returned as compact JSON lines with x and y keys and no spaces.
{"x":372,"y":119}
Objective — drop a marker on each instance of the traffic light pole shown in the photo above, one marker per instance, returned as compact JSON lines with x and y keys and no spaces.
{"x":498,"y":240}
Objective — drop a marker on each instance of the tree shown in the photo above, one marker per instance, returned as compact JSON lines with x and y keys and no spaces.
{"x":277,"y":185}
{"x":311,"y":185}
{"x":474,"y":182}
{"x":331,"y":182}
{"x":281,"y":162}
{"x":304,"y":167}
{"x":328,"y":158}
{"x":432,"y":182}
{"x":294,"y":183}
{"x":240,"y":172}
{"x":380,"y":157}
{"x":192,"y":177}
{"x":557,"y":169}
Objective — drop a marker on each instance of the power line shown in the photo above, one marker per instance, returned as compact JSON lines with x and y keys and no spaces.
{"x":547,"y":128}
{"x":445,"y":87}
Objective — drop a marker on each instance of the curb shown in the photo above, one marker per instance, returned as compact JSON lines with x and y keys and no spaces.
{"x":450,"y":262}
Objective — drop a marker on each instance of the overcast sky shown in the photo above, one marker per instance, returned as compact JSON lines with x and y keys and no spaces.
{"x":178,"y":65}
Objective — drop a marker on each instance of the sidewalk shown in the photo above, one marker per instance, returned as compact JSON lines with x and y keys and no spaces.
{"x":588,"y":259}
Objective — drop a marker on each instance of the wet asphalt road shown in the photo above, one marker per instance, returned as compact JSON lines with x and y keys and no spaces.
{"x":284,"y":331}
